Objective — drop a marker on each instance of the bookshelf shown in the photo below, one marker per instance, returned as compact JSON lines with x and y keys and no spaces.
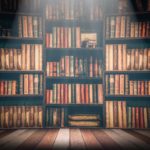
{"x":67,"y":54}
{"x":21,"y":65}
{"x":126,"y":47}
{"x":82,"y":68}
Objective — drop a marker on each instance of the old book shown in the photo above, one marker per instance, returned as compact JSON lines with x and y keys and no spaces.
{"x":129,"y":111}
{"x":124,"y":125}
{"x":141,"y":59}
{"x":115,"y":113}
{"x":122,"y":29}
{"x":112,"y":84}
{"x":133,"y":117}
{"x":115,"y":57}
{"x":120,"y":57}
{"x":128,"y":59}
{"x":118,"y":27}
{"x":111,"y":108}
{"x":122,"y":83}
{"x":124,"y":57}
{"x":112,"y":26}
{"x":137,"y":117}
{"x":145,"y":118}
{"x":141,"y":117}
{"x":120,"y":115}
{"x":107,"y":115}
{"x":84,"y":123}
{"x":81,"y":117}
{"x":132,"y":59}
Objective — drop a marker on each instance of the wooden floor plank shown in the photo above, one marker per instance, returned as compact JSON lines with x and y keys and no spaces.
{"x":90,"y":140}
{"x":139,"y":143}
{"x":18,"y":140}
{"x":62,"y":140}
{"x":106,"y":141}
{"x":76,"y":139}
{"x":143,"y":132}
{"x":125,"y":144}
{"x":32,"y":141}
{"x":140,"y":136}
{"x":48,"y":140}
{"x":5,"y":133}
{"x":11,"y":136}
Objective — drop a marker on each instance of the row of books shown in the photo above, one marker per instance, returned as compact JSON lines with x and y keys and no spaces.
{"x":75,"y":94}
{"x":120,"y":116}
{"x":73,"y":9}
{"x":84,"y":120}
{"x":29,"y":57}
{"x":20,"y":116}
{"x":8,"y":87}
{"x":138,"y":117}
{"x":124,"y":27}
{"x":19,"y":5}
{"x":63,"y":37}
{"x":119,"y":57}
{"x":31,"y":84}
{"x":71,"y":66}
{"x":119,"y":84}
{"x":29,"y":27}
{"x":116,"y":115}
{"x":55,"y":117}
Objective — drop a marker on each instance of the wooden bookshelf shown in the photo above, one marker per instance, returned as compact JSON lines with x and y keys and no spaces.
{"x":124,"y":36}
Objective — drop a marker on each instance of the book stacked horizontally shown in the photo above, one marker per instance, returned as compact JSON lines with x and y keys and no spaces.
{"x":84,"y":120}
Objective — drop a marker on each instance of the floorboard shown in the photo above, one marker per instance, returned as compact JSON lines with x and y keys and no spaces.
{"x":48,"y":140}
{"x":33,"y":140}
{"x":62,"y":139}
{"x":106,"y":141}
{"x":90,"y":140}
{"x":76,"y":139}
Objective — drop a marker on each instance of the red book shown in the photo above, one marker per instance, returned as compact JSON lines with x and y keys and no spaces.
{"x":133,"y":117}
{"x":137,"y":117}
{"x":82,"y":94}
{"x":86,"y":93}
{"x":66,"y":94}
{"x":141,"y":118}
{"x":62,"y":93}
{"x":47,"y":40}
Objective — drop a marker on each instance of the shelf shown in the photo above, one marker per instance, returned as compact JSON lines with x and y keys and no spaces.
{"x":20,"y":13}
{"x":128,"y":72}
{"x":18,"y":39}
{"x":20,"y":96}
{"x":127,"y":40}
{"x":74,"y":105}
{"x":74,"y":51}
{"x":128,"y":97}
{"x":21,"y":71}
{"x":145,"y":13}
{"x":74,"y":79}
{"x":79,"y":22}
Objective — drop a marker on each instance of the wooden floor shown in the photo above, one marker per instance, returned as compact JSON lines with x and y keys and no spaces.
{"x":107,"y":139}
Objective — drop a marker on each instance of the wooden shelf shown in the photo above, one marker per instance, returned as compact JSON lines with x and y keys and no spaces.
{"x":74,"y":105}
{"x":145,"y":13}
{"x":20,"y":13}
{"x":20,"y":71}
{"x":18,"y":39}
{"x":128,"y":97}
{"x":20,"y":96}
{"x":74,"y":79}
{"x":138,"y":40}
{"x":129,"y":72}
